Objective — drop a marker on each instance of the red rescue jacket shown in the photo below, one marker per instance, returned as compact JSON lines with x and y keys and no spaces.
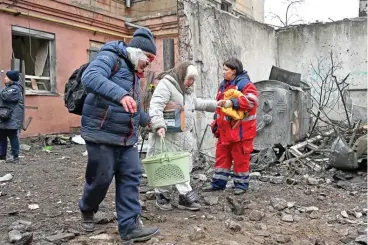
{"x":227,"y":129}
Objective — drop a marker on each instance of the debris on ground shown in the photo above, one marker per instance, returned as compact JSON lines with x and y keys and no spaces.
{"x":78,"y":140}
{"x":197,"y":233}
{"x":6,"y":177}
{"x":25,"y":147}
{"x":33,"y":206}
{"x":328,"y":149}
{"x":288,"y":192}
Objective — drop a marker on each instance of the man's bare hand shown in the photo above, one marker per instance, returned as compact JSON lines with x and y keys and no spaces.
{"x":129,"y":104}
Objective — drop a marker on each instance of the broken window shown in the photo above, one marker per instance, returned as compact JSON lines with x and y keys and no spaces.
{"x":225,"y":6}
{"x":36,"y":49}
{"x":94,"y":47}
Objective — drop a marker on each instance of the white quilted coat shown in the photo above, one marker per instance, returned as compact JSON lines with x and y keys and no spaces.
{"x":168,"y":90}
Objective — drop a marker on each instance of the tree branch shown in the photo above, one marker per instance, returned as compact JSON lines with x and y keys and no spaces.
{"x":279,"y":18}
{"x":287,"y":10}
{"x":341,"y":90}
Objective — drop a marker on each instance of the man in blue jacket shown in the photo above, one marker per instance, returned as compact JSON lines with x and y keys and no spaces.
{"x":111,"y":117}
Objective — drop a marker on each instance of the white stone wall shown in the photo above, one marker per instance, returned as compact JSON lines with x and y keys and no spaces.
{"x":301,"y":46}
{"x":208,"y":37}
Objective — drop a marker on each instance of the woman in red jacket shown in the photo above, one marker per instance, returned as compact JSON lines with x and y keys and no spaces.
{"x":235,"y":137}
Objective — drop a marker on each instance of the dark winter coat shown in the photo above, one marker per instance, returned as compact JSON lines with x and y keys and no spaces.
{"x":12,"y":96}
{"x":104,"y":119}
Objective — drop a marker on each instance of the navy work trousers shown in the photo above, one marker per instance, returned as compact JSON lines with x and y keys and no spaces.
{"x":12,"y":134}
{"x":105,"y":162}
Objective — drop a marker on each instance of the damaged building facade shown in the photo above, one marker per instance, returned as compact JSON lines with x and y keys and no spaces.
{"x":49,"y":39}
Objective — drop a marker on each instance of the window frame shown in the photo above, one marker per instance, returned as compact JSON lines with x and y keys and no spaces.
{"x":94,"y":47}
{"x":28,"y":32}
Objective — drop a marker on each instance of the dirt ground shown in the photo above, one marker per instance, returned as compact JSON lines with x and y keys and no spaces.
{"x":314,"y":213}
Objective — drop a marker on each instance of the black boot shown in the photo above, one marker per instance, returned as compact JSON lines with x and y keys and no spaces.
{"x":140,"y":234}
{"x":88,"y":222}
{"x":2,"y":159}
{"x":239,"y":191}
{"x":189,"y":201}
{"x":163,"y":201}
{"x":210,"y":188}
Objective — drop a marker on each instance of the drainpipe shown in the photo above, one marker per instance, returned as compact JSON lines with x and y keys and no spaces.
{"x":127,"y":3}
{"x":133,"y":25}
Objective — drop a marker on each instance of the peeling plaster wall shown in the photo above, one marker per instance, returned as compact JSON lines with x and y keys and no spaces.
{"x":210,"y":38}
{"x":301,"y":46}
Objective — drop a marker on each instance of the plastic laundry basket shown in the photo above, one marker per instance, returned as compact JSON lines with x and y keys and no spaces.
{"x":167,"y":168}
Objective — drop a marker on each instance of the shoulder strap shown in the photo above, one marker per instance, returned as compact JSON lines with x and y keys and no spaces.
{"x":240,"y":84}
{"x":19,"y":86}
{"x":118,"y":63}
{"x":116,"y":67}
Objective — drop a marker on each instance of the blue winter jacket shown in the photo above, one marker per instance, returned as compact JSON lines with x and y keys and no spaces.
{"x":12,"y":96}
{"x":104,"y":119}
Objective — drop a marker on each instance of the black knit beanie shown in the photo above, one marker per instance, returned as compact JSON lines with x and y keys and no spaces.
{"x":143,"y":39}
{"x":13,"y":75}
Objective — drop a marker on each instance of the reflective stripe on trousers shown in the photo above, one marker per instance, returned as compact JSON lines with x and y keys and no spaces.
{"x":241,"y":180}
{"x":220,"y":178}
{"x":239,"y":152}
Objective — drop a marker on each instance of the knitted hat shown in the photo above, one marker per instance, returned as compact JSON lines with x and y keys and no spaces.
{"x":143,"y":39}
{"x":13,"y":75}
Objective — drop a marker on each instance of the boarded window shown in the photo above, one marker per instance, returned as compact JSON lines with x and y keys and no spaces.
{"x":37,"y":50}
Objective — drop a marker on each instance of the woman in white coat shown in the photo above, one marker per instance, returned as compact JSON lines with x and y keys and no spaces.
{"x":176,"y":88}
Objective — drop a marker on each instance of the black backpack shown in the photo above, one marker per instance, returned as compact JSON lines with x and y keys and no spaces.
{"x":75,"y":93}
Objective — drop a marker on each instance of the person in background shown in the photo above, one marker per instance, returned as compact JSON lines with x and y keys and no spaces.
{"x":235,"y":127}
{"x":111,"y":117}
{"x":176,"y":88}
{"x":11,"y":115}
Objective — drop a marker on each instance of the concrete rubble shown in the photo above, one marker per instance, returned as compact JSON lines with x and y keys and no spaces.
{"x":269,"y":212}
{"x":291,"y":186}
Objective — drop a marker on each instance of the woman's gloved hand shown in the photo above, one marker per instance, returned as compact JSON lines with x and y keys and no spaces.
{"x":225,"y":103}
{"x":161,"y":132}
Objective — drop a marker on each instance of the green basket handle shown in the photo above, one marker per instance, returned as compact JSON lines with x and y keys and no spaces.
{"x":163,"y":145}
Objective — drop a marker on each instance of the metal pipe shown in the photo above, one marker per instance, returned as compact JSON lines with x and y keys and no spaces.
{"x":127,"y":3}
{"x":204,"y":134}
{"x":133,"y":25}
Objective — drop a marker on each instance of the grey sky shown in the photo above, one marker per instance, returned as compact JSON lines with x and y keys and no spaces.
{"x":313,"y":10}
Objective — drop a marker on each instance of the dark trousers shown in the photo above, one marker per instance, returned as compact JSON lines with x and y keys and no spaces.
{"x":12,"y":134}
{"x":105,"y":162}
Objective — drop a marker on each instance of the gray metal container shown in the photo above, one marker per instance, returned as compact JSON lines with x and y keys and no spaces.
{"x":282,"y":115}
